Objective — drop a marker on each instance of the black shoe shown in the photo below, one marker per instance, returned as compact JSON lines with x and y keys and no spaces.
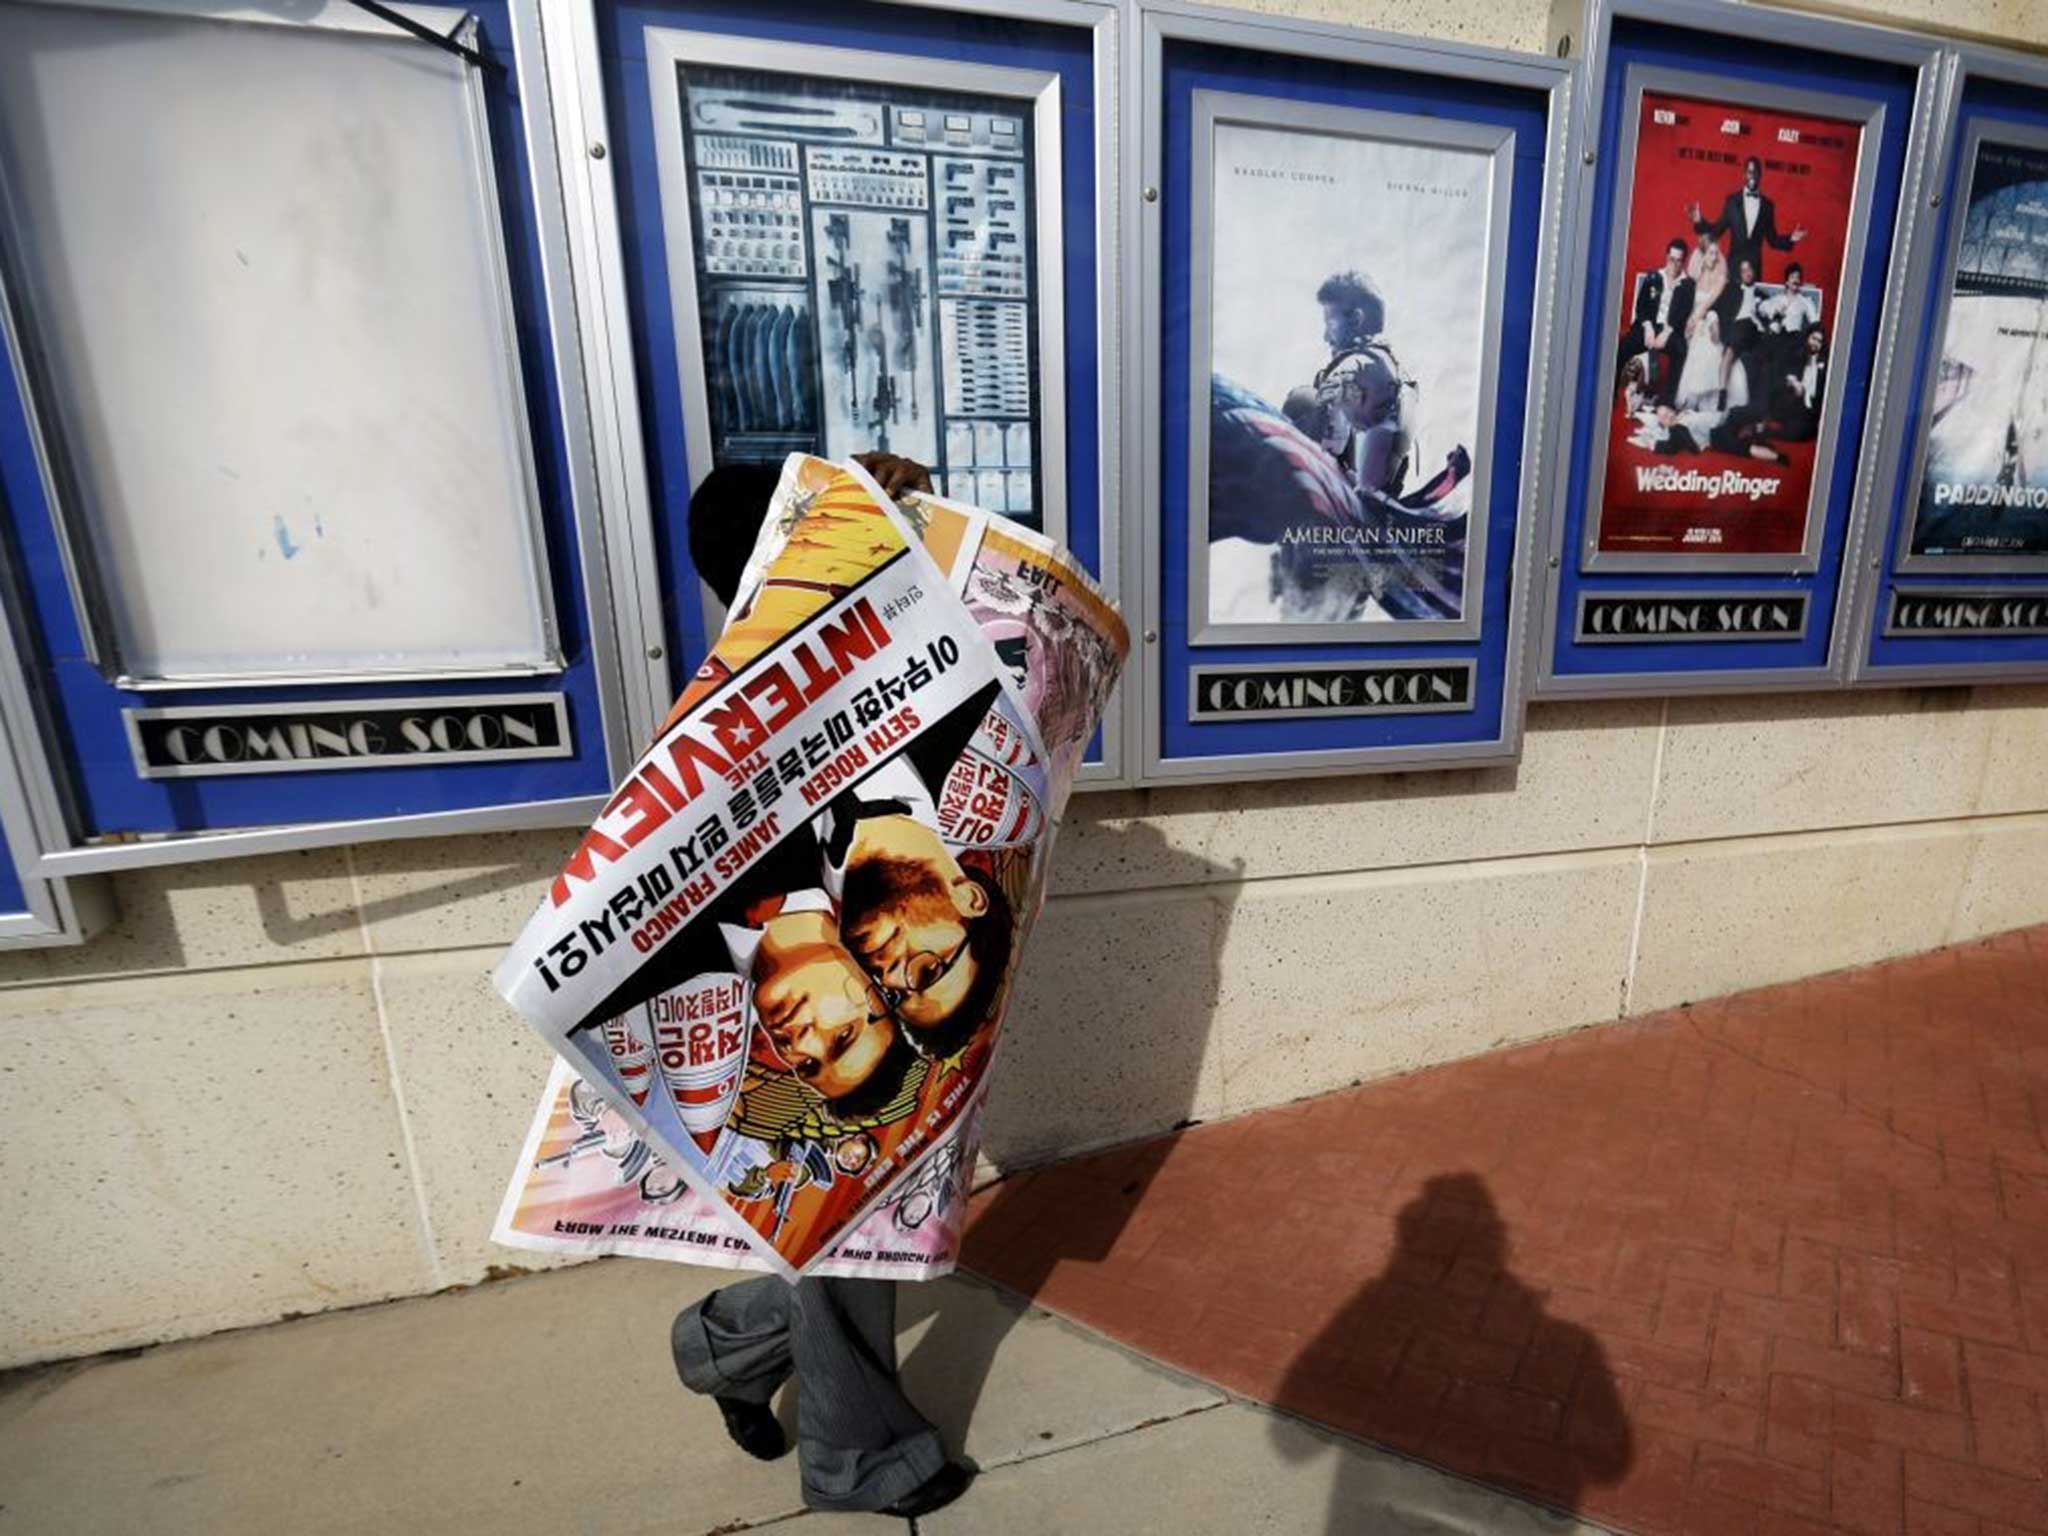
{"x":753,"y":1428}
{"x":935,"y":1492}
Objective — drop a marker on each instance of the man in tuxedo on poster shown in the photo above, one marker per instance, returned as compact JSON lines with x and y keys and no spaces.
{"x":1663,"y":305}
{"x":1750,"y":220}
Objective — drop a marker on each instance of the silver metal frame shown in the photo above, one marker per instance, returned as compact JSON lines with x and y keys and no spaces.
{"x":1154,"y":22}
{"x":1904,"y":560}
{"x":597,"y":262}
{"x":1897,"y":440}
{"x":1581,"y":636}
{"x":1198,"y":674}
{"x":558,"y":703}
{"x":603,"y":526}
{"x":91,"y":601}
{"x":1212,"y":108}
{"x":1038,"y":92}
{"x":1587,"y":24}
{"x":1714,"y":89}
{"x":2035,"y":595}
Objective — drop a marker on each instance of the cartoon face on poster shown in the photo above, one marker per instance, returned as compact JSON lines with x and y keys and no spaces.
{"x":1734,"y":275}
{"x":782,"y":953}
{"x":1353,"y":263}
{"x":1983,"y":485}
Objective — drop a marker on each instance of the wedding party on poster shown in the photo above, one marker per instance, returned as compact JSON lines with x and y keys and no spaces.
{"x":1984,"y":485}
{"x":1729,"y":290}
{"x":1349,"y":287}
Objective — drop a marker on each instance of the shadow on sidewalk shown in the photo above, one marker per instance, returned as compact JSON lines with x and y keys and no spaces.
{"x":1109,"y":1048}
{"x":1446,"y":1355}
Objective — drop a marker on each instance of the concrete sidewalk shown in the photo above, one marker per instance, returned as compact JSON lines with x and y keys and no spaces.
{"x":547,"y":1404}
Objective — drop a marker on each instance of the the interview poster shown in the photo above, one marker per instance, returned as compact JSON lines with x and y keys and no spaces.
{"x":1984,"y":482}
{"x":1732,"y":279}
{"x":1349,"y":284}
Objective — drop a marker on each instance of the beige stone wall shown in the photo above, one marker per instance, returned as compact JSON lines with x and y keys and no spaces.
{"x":283,"y":1084}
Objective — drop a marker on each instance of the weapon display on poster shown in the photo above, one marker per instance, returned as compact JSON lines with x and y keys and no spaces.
{"x":866,"y":274}
{"x":1983,"y":485}
{"x":783,"y":951}
{"x":1732,"y":278}
{"x":1346,"y":360}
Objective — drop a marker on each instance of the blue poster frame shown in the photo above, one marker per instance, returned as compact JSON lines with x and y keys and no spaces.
{"x":628,"y":260}
{"x":1185,"y":49}
{"x":1793,"y":53}
{"x":116,"y":817}
{"x":1991,"y":89}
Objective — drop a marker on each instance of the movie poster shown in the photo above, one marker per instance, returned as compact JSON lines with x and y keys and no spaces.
{"x":1984,"y":480}
{"x":781,"y":955}
{"x":1349,"y":285}
{"x":867,"y":276}
{"x":1729,"y":286}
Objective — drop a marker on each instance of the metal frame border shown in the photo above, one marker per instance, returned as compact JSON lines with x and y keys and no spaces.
{"x":92,"y":600}
{"x":600,"y":526}
{"x":1848,"y":296}
{"x":1669,"y":594}
{"x":1962,"y":62}
{"x":1214,"y":108}
{"x":671,"y":48}
{"x":1589,"y":29}
{"x":1919,"y":589}
{"x":1904,"y":561}
{"x":596,"y":260}
{"x":1198,"y":674}
{"x":555,"y":702}
{"x":1153,"y":22}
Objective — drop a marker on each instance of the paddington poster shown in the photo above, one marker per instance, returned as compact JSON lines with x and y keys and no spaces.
{"x":1984,"y":481}
{"x":1728,"y":297}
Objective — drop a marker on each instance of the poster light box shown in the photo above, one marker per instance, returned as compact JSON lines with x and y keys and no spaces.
{"x":837,"y":226}
{"x":293,"y":447}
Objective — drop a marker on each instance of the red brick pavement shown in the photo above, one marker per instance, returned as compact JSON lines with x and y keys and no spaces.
{"x":1775,"y":1265}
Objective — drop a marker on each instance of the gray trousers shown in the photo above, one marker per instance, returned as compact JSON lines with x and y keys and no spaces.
{"x":860,"y":1444}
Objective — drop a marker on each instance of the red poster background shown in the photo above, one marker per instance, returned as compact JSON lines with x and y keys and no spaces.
{"x":1809,"y":173}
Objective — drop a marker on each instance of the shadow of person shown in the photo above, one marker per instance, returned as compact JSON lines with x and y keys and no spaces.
{"x":1447,"y":1356}
{"x":1104,"y":1045}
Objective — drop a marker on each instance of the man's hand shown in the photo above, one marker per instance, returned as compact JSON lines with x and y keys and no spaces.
{"x":1798,"y":233}
{"x":895,"y":474}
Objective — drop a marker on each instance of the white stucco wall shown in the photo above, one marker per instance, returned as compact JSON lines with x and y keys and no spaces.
{"x":283,"y":1084}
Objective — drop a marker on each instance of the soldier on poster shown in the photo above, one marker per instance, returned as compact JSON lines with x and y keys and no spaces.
{"x":1983,"y":487}
{"x":1731,"y":275}
{"x":1345,"y":373}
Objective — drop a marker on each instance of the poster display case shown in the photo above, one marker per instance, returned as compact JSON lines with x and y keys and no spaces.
{"x":1955,"y":568}
{"x":843,"y":228}
{"x":1742,"y":228}
{"x":295,"y":461}
{"x":1343,"y":375}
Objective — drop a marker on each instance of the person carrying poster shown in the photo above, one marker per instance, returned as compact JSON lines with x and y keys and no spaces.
{"x":810,"y":896}
{"x":1713,"y":441}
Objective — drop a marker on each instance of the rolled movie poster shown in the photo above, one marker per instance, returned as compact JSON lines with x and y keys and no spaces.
{"x":849,"y":812}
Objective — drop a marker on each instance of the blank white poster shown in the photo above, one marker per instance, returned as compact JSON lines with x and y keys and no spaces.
{"x":269,"y":339}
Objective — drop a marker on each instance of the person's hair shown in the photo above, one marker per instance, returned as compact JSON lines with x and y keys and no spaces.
{"x":725,"y":518}
{"x":887,"y":881}
{"x":1757,"y":162}
{"x":1792,"y":268}
{"x":1749,"y":263}
{"x":1821,"y":331}
{"x":879,"y":1088}
{"x":1675,"y":244}
{"x":1354,"y":291}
